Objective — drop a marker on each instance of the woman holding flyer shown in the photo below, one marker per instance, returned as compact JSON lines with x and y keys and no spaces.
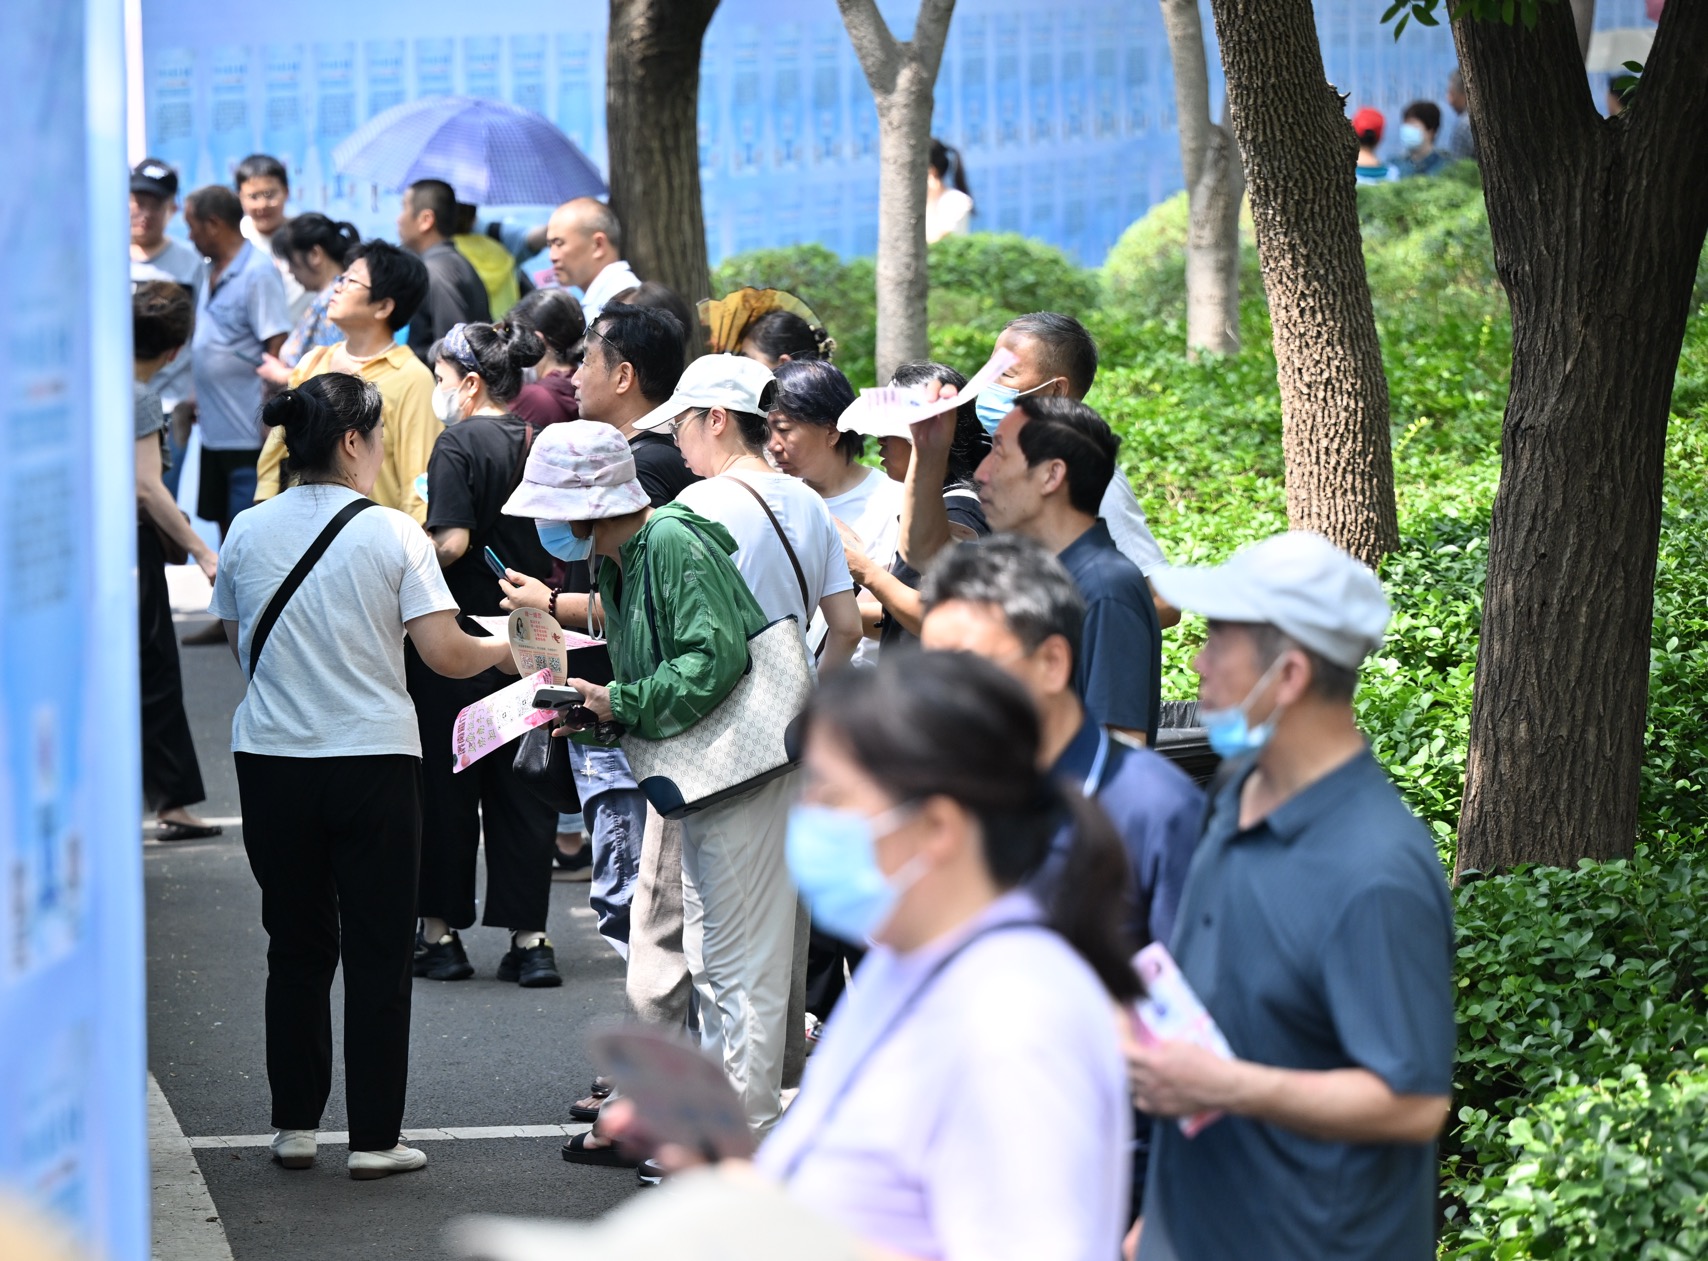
{"x":316,"y":588}
{"x":924,"y":814}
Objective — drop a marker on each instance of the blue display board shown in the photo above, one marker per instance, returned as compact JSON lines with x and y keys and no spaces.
{"x":1064,"y":111}
{"x":72,"y":1073}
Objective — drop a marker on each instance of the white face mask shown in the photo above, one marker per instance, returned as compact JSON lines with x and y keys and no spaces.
{"x":445,"y":404}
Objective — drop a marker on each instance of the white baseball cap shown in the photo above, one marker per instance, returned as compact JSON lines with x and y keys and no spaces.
{"x":1299,"y":583}
{"x":732,"y":382}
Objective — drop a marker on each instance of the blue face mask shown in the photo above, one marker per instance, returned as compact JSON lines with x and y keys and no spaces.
{"x":1411,"y":136}
{"x":832,"y":856}
{"x":996,"y":401}
{"x":1230,"y":732}
{"x":558,"y":539}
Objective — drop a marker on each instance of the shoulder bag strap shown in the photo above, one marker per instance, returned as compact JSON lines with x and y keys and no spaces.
{"x":294,"y":579}
{"x":800,"y":574}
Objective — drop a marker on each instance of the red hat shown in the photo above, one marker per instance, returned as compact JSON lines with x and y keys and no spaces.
{"x":1367,"y":119}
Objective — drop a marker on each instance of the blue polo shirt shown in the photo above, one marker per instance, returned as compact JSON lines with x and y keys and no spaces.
{"x":1320,"y":938}
{"x":1119,"y":671}
{"x":1156,"y":810}
{"x":235,"y":316}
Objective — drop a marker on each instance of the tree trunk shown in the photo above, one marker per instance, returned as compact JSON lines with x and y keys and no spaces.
{"x":652,"y":90}
{"x":903,"y":78}
{"x":1597,"y":226}
{"x":1214,"y":182}
{"x":1299,"y":153}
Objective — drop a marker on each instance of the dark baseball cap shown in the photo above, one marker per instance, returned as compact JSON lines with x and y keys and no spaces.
{"x":154,"y":177}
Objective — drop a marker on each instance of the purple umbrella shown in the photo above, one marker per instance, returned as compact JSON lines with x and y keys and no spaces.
{"x":491,"y":153}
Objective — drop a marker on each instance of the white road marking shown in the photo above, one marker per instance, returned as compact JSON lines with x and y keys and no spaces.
{"x":444,"y":1134}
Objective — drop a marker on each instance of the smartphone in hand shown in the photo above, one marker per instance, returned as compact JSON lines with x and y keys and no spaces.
{"x":493,"y":563}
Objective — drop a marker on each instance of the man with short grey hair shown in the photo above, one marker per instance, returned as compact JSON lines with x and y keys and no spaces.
{"x":1316,"y":929}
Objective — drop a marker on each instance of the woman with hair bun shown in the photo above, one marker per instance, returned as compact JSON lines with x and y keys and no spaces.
{"x":557,"y":317}
{"x":328,"y":758}
{"x":476,"y":464}
{"x":315,"y":250}
{"x":779,"y":337}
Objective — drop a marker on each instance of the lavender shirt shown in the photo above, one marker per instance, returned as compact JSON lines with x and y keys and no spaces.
{"x":919,"y":1143}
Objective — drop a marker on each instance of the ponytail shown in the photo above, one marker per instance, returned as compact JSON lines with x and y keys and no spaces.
{"x":315,"y":416}
{"x":311,"y":228}
{"x":1089,"y":899}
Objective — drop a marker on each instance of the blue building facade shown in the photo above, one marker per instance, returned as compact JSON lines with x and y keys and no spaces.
{"x":1064,"y":111}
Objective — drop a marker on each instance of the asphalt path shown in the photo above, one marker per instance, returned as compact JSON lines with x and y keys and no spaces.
{"x":482,"y":1053}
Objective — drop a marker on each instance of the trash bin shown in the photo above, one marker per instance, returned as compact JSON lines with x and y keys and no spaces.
{"x":1182,"y":741}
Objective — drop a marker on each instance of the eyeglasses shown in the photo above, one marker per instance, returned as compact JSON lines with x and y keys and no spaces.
{"x":695,"y":413}
{"x":343,"y":281}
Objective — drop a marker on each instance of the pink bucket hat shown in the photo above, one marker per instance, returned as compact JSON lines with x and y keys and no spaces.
{"x":578,"y":470}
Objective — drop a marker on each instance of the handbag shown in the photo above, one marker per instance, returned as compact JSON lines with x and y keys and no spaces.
{"x":743,"y":742}
{"x":542,"y":763}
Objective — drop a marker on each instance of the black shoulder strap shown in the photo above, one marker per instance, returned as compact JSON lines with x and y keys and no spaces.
{"x":800,"y":574}
{"x":294,"y":579}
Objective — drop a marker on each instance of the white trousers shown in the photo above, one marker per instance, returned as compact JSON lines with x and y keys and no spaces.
{"x":738,"y":933}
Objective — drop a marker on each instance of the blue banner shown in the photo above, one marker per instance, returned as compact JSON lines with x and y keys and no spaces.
{"x":72,"y":1071}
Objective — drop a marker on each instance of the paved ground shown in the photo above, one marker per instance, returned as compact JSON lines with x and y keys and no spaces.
{"x":483,"y":1054}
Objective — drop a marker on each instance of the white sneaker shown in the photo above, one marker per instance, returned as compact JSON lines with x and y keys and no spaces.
{"x":400,"y":1159}
{"x":294,"y":1149}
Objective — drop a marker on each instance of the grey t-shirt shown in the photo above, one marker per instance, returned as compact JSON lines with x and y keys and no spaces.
{"x":183,"y":265}
{"x":330,"y":682}
{"x":150,"y":416}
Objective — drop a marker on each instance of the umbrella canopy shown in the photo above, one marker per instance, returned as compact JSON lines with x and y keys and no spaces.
{"x":490,"y":152}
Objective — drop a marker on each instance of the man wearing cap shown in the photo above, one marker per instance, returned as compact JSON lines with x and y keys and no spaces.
{"x":671,"y":669}
{"x":1317,"y":930}
{"x":156,"y":256}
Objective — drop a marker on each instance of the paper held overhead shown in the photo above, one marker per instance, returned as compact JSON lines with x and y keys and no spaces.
{"x":890,"y":411}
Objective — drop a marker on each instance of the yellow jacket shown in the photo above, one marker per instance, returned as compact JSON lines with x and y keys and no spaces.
{"x":411,"y":429}
{"x":495,"y":267}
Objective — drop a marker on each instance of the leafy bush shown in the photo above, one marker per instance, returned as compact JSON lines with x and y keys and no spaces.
{"x":1575,"y":987}
{"x":1599,"y":1173}
{"x":1145,"y":271}
{"x":987,"y":278}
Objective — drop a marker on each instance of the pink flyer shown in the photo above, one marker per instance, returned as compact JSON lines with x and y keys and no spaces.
{"x":498,"y":719}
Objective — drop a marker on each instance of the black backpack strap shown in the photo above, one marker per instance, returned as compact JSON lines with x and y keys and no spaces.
{"x":294,"y":579}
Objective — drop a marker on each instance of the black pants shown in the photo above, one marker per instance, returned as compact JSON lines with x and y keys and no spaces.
{"x":170,"y":774}
{"x":519,"y":828}
{"x":334,"y":843}
{"x":826,"y":980}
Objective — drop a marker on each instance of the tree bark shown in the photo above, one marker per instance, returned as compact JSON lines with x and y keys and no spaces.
{"x":1597,"y":226}
{"x":1210,"y":162}
{"x":1299,"y":153}
{"x":652,"y":90}
{"x":903,"y":78}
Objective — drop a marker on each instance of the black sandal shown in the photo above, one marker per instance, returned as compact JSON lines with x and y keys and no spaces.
{"x":598,"y":1092}
{"x":174,"y":830}
{"x":610,"y":1156}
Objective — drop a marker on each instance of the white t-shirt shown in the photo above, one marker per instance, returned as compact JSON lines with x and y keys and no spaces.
{"x":330,"y":682}
{"x":613,"y":278}
{"x":182,"y":265}
{"x":873,"y":511}
{"x":1126,"y":520}
{"x":759,"y":552}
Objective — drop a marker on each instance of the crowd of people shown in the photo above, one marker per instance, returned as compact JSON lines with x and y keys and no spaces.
{"x":940,"y":896}
{"x":1424,"y":149}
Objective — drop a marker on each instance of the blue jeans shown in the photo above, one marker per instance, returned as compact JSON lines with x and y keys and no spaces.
{"x":615,"y":810}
